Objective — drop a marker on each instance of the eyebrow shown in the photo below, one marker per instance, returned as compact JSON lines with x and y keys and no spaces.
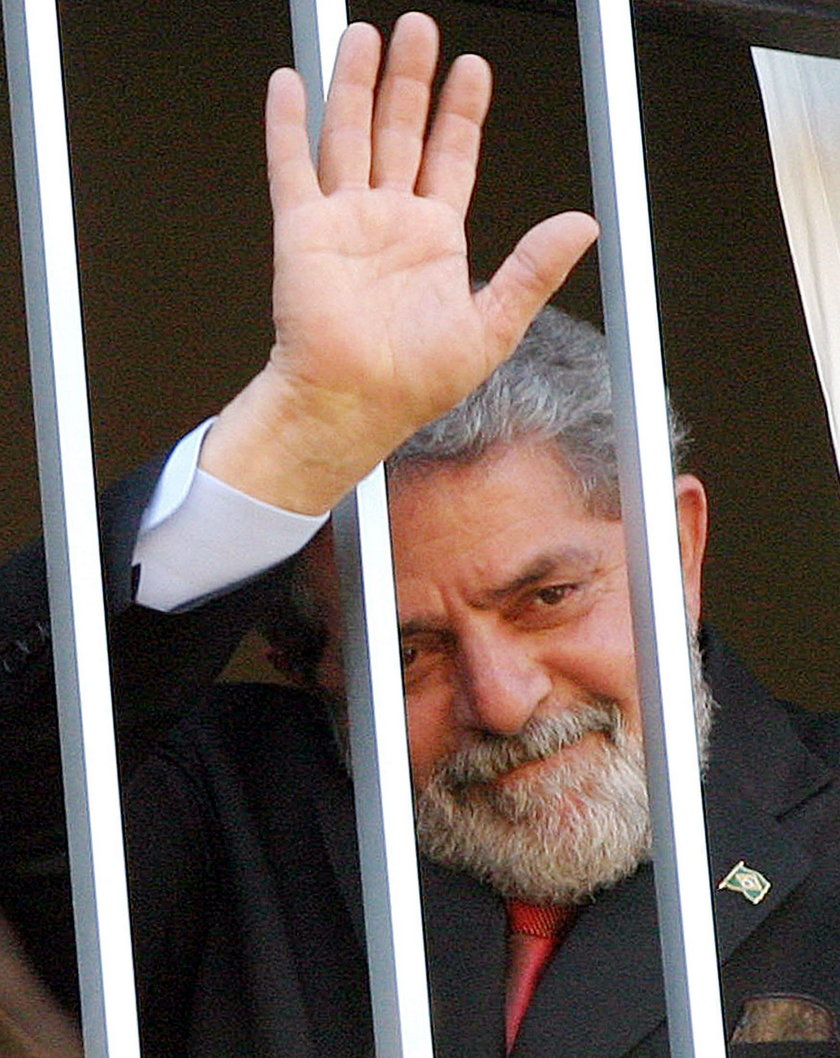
{"x":538,"y":569}
{"x":535,"y":571}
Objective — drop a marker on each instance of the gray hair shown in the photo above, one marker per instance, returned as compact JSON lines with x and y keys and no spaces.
{"x":555,"y":389}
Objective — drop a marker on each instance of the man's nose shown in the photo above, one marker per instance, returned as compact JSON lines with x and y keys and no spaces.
{"x":502,"y":683}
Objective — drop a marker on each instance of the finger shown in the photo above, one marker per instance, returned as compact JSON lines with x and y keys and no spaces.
{"x":291,"y":175}
{"x":451,"y":155}
{"x":402,"y":102}
{"x":526,"y":279}
{"x":344,"y":150}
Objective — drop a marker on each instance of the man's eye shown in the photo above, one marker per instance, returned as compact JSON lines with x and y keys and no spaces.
{"x":549,"y":606}
{"x":423,"y":656}
{"x":554,"y":594}
{"x":409,"y":655}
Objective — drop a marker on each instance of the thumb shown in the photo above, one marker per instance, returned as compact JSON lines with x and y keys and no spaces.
{"x":526,"y":279}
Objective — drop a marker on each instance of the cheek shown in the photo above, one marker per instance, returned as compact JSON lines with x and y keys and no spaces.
{"x":431,"y":734}
{"x":617,"y":675}
{"x":599,"y":660}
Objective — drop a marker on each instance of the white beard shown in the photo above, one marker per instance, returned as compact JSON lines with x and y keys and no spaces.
{"x":558,"y":835}
{"x":551,"y":837}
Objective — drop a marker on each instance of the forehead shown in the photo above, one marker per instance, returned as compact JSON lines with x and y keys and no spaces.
{"x":486,"y":519}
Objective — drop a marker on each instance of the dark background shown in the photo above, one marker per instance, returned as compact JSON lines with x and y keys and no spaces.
{"x":165,"y":105}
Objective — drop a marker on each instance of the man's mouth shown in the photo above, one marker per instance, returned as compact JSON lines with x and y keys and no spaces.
{"x":567,"y":754}
{"x":543,"y":743}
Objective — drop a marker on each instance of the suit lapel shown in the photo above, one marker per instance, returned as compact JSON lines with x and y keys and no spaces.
{"x":337,"y":824}
{"x":760,"y":773}
{"x":465,"y":926}
{"x":581,"y":1004}
{"x":295,"y":793}
{"x":742,"y":833}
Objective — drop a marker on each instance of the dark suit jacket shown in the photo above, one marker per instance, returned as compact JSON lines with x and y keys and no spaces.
{"x":160,"y":663}
{"x":247,"y":905}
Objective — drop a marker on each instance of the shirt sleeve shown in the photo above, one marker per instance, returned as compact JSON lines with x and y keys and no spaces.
{"x":200,"y":537}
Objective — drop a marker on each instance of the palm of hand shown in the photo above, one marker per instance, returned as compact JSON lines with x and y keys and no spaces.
{"x":379,"y":277}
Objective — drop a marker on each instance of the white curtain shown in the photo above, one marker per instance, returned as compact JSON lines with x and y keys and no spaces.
{"x":801,"y":95}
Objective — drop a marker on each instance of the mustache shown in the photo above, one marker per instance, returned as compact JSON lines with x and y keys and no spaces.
{"x":490,"y":756}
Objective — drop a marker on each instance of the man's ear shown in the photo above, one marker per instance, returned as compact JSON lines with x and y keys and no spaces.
{"x":693,"y":519}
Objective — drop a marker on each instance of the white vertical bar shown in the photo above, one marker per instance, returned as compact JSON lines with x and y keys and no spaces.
{"x":381,"y":772}
{"x":381,"y":775}
{"x":686,"y":922}
{"x":317,"y":26}
{"x":70,"y":528}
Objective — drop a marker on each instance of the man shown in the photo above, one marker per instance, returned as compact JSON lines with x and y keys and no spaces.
{"x":522,"y":709}
{"x":525,"y":738}
{"x":522,"y":706}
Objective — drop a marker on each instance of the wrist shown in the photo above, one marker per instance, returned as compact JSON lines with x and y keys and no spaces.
{"x":279,"y":445}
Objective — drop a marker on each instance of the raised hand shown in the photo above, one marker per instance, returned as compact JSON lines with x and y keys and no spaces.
{"x":377,"y":329}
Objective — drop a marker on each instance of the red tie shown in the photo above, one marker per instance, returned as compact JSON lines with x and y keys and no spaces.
{"x":533,"y":934}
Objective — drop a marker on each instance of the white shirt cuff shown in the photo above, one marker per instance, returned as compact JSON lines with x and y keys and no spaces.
{"x":200,"y":537}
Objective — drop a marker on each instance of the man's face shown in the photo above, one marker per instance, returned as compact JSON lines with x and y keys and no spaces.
{"x":523,"y":713}
{"x":513,"y":605}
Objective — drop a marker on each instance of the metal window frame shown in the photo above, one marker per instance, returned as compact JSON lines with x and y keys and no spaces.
{"x":378,"y":731}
